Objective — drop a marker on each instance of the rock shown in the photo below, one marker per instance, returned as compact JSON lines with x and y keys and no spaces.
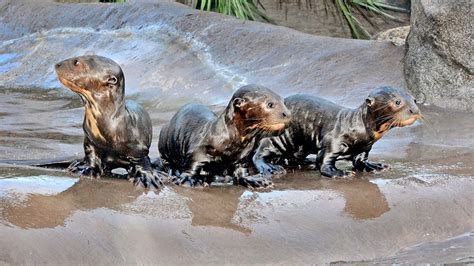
{"x":397,"y":35}
{"x":439,"y":62}
{"x":173,"y":54}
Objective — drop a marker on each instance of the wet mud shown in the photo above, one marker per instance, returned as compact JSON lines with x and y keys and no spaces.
{"x":418,"y":210}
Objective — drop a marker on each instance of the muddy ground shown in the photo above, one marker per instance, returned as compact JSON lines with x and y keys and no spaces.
{"x":419,"y":210}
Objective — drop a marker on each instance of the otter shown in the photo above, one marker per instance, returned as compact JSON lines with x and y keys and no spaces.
{"x":198,"y":145}
{"x":333,"y":132}
{"x":118,"y":132}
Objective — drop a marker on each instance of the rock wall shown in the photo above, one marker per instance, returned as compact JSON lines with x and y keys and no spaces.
{"x":439,"y":63}
{"x":174,"y":54}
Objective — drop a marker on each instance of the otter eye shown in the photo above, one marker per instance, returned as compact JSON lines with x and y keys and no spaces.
{"x":398,"y":102}
{"x":270,"y":105}
{"x":76,"y":62}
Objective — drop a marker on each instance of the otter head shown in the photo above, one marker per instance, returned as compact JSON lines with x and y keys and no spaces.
{"x":388,"y":107}
{"x":255,"y":108}
{"x":94,"y":78}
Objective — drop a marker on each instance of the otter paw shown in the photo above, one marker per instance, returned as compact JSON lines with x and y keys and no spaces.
{"x":271,"y":169}
{"x":278,"y":170}
{"x":148,"y":178}
{"x":333,"y":172}
{"x":344,"y":174}
{"x":86,"y":171}
{"x":255,"y":181}
{"x":185,"y":180}
{"x":223,"y":179}
{"x":370,"y":166}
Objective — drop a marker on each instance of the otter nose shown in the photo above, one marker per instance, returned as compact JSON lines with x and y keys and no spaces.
{"x":285,"y":115}
{"x":414,"y":111}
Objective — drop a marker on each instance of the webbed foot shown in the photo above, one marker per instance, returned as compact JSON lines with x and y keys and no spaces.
{"x":187,"y":180}
{"x":267,"y":169}
{"x":333,"y":172}
{"x":371,"y":166}
{"x":148,"y":178}
{"x":85,"y":170}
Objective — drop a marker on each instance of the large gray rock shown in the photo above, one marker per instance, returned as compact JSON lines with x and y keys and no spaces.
{"x":439,"y":64}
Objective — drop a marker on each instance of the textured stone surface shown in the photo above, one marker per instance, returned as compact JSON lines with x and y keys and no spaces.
{"x":174,"y":54}
{"x":439,"y":63}
{"x":397,"y":35}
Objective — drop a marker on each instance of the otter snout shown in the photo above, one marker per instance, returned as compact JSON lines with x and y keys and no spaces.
{"x":286,"y":115}
{"x":61,"y":68}
{"x":414,"y":110}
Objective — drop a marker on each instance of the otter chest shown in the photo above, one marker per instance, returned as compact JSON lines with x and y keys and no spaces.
{"x":228,"y":153}
{"x":92,"y":128}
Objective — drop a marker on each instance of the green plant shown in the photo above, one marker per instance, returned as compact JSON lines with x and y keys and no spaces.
{"x":243,"y":9}
{"x":248,"y":10}
{"x":378,"y":7}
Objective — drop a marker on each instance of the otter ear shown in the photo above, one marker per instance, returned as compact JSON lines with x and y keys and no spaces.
{"x":111,"y":80}
{"x":369,"y":101}
{"x":238,"y":102}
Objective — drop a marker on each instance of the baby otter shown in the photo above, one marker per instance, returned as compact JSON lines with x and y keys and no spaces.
{"x":336,"y":133}
{"x":118,"y":132}
{"x":197,"y":144}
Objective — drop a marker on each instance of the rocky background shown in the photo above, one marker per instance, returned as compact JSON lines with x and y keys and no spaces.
{"x":191,"y":55}
{"x":439,"y":63}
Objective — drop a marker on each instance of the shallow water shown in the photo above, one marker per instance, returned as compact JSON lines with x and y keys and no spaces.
{"x":426,"y":196}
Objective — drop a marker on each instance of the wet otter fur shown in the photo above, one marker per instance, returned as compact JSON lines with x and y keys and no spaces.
{"x":118,"y":132}
{"x":197,"y":144}
{"x":333,"y":132}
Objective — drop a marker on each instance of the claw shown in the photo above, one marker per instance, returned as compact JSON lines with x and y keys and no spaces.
{"x":343,"y":174}
{"x":185,"y":180}
{"x":148,"y":178}
{"x":370,"y":166}
{"x":86,"y":171}
{"x":271,"y":169}
{"x":278,"y":170}
{"x":331,"y":171}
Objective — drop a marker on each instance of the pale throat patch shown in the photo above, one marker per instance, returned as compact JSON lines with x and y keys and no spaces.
{"x":92,"y":123}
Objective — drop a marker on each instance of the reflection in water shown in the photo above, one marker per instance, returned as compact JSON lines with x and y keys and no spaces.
{"x":364,"y":200}
{"x":215,"y":206}
{"x":46,"y":211}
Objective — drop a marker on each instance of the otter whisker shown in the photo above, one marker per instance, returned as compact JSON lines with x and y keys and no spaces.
{"x":379,"y":119}
{"x":396,"y":122}
{"x":383,"y":107}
